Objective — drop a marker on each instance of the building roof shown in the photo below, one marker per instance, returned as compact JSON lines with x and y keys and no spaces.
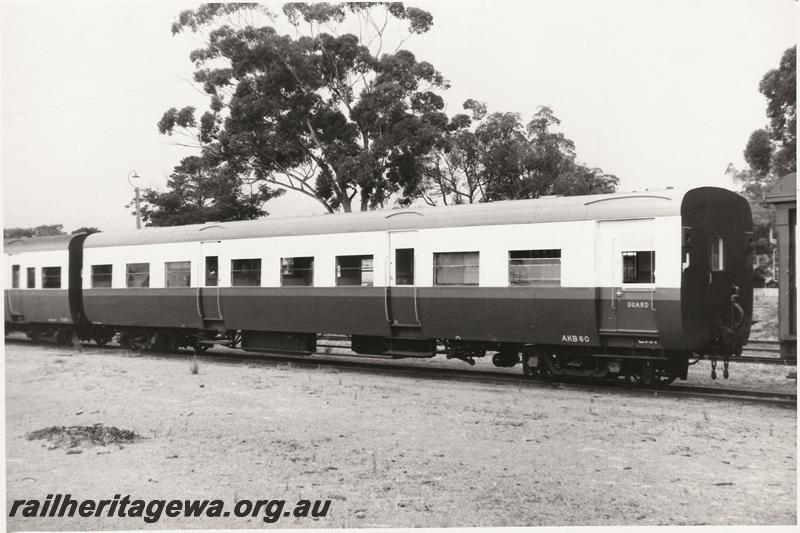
{"x":547,"y":209}
{"x":784,"y":190}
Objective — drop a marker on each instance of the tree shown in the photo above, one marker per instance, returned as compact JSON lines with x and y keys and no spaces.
{"x":780,"y":87}
{"x":487,"y":157}
{"x":200,"y":190}
{"x":324,"y":112}
{"x":770,"y":152}
{"x":38,"y":231}
{"x":86,"y":229}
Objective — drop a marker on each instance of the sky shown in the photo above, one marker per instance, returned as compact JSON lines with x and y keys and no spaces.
{"x":659,"y":93}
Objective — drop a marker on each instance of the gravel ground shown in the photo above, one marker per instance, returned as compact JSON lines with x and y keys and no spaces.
{"x":388,"y":451}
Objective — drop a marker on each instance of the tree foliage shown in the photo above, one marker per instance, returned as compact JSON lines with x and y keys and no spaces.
{"x":86,"y":229}
{"x":770,"y":152}
{"x":201,"y":191}
{"x":46,"y":230}
{"x":38,"y":231}
{"x":328,"y":113}
{"x":487,"y":157}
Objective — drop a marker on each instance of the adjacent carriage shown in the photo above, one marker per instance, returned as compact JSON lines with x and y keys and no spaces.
{"x":624,"y":284}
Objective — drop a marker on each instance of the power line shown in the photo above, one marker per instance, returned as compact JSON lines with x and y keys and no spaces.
{"x":92,"y":70}
{"x":99,"y":97}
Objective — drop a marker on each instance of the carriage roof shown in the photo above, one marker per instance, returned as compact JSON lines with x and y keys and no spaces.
{"x":547,"y":209}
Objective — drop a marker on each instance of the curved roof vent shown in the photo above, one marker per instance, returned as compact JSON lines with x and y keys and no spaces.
{"x":628,"y":197}
{"x":211,"y":226}
{"x":404,"y":213}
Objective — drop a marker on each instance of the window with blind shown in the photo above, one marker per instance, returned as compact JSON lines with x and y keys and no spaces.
{"x":534,"y":268}
{"x":51,"y":277}
{"x":354,"y":270}
{"x":137,"y":275}
{"x":178,"y":274}
{"x":455,"y":268}
{"x":297,"y":271}
{"x":101,"y":276}
{"x":246,"y":272}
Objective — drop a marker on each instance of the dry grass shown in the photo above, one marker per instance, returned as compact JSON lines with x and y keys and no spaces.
{"x":765,"y":314}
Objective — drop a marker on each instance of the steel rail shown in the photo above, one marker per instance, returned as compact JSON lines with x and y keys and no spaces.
{"x":333,"y":361}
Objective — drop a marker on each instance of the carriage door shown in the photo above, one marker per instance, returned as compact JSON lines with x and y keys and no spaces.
{"x":14,"y":295}
{"x":400,"y":287}
{"x":626,"y":263}
{"x":209,"y":306}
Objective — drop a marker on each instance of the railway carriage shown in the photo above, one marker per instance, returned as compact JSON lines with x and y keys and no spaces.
{"x":38,"y":299}
{"x":624,"y":284}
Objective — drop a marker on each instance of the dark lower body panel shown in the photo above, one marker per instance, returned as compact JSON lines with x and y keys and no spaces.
{"x":524,"y":315}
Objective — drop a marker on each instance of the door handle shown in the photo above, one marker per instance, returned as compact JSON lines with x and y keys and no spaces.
{"x":619,"y":293}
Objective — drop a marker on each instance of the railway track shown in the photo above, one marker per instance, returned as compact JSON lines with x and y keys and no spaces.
{"x":771,"y":346}
{"x":348,"y":363}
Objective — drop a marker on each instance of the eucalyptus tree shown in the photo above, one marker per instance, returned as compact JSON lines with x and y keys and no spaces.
{"x":321,"y":99}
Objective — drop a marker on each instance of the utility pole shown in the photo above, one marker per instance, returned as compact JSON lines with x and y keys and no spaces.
{"x":133,"y":175}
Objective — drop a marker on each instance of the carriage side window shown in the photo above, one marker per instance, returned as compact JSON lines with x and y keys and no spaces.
{"x":717,"y":254}
{"x":15,"y":276}
{"x":534,"y":267}
{"x":51,"y":277}
{"x":178,"y":274}
{"x":137,"y":275}
{"x":31,"y":275}
{"x":246,"y":272}
{"x":404,"y":266}
{"x":638,"y":267}
{"x":455,"y":268}
{"x":354,"y":270}
{"x":212,"y":270}
{"x":101,"y":276}
{"x":297,"y":271}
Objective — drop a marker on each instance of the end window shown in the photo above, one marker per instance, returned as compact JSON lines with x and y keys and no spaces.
{"x":456,"y":268}
{"x":15,"y":276}
{"x":638,"y":267}
{"x":51,"y":277}
{"x":717,"y":254}
{"x":101,"y":276}
{"x":297,"y":271}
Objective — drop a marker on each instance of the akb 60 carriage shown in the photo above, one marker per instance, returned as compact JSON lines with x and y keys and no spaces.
{"x":625,"y":284}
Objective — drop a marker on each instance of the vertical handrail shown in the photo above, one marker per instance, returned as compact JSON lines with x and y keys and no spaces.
{"x":653,"y":278}
{"x":199,"y":312}
{"x":416,"y":309}
{"x":386,"y":289}
{"x":10,"y":304}
{"x":219,"y":308}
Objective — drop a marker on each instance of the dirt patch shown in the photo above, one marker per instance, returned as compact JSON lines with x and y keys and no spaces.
{"x":75,"y":436}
